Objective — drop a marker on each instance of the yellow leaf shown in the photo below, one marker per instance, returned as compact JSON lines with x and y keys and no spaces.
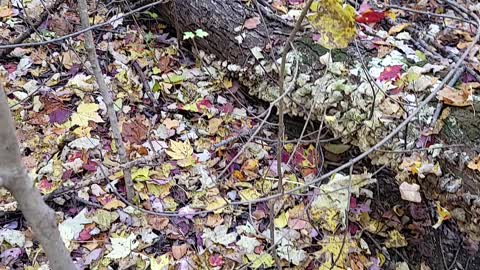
{"x":227,"y":83}
{"x":161,"y":263}
{"x":398,"y":28}
{"x":216,"y":203}
{"x":281,"y":221}
{"x":86,"y":112}
{"x":249,"y":194}
{"x":335,"y":23}
{"x":180,"y":150}
{"x":443,"y":215}
{"x":82,"y":132}
{"x":265,"y":260}
{"x":114,"y":204}
{"x":336,"y":249}
{"x":141,"y":174}
{"x":213,"y":125}
{"x":395,"y":240}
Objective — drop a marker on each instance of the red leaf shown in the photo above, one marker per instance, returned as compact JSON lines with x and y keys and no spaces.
{"x":368,"y":15}
{"x":371,"y":16}
{"x":390,"y":73}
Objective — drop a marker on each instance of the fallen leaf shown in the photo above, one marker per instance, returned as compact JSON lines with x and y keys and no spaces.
{"x":475,"y":163}
{"x":281,"y":221}
{"x":251,"y":23}
{"x":179,"y":251}
{"x":122,"y":246}
{"x":367,"y":15}
{"x":442,"y":215}
{"x":398,"y":28}
{"x":160,"y":263}
{"x":451,"y":96}
{"x":264,"y":260}
{"x":410,"y":192}
{"x":180,"y":150}
{"x":5,"y":11}
{"x":84,"y":143}
{"x":216,"y":260}
{"x":390,"y":73}
{"x":335,"y":23}
{"x":71,"y":227}
{"x":395,"y":240}
{"x":86,"y":112}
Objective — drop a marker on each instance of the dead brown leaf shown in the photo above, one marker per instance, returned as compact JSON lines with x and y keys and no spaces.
{"x":451,"y":96}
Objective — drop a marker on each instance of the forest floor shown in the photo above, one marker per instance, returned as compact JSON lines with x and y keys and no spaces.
{"x":206,"y":189}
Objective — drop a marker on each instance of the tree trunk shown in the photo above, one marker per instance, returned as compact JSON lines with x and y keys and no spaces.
{"x":224,"y":21}
{"x":15,"y":179}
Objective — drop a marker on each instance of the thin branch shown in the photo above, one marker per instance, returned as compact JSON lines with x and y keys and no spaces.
{"x":77,"y":33}
{"x":107,"y":96}
{"x":432,"y":14}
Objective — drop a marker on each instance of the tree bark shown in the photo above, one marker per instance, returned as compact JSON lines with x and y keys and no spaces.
{"x":223,"y":21}
{"x":15,"y":179}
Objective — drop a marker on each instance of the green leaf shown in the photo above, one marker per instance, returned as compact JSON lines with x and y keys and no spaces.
{"x":188,"y":35}
{"x":200,"y":33}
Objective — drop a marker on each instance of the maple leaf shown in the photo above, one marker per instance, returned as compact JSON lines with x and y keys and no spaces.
{"x":200,"y":33}
{"x":395,"y":240}
{"x":181,"y":151}
{"x":86,"y":112}
{"x":335,"y":23}
{"x":264,"y":259}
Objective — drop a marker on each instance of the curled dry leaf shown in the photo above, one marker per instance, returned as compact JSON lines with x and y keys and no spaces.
{"x":460,"y":98}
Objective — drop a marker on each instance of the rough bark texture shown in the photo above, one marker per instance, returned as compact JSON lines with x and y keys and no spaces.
{"x":15,"y":179}
{"x":223,"y":21}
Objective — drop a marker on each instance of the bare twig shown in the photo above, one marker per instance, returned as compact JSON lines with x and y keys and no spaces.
{"x":281,"y":82}
{"x":31,"y":29}
{"x":146,"y":87}
{"x":432,"y":14}
{"x":107,"y":97}
{"x":77,"y":33}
